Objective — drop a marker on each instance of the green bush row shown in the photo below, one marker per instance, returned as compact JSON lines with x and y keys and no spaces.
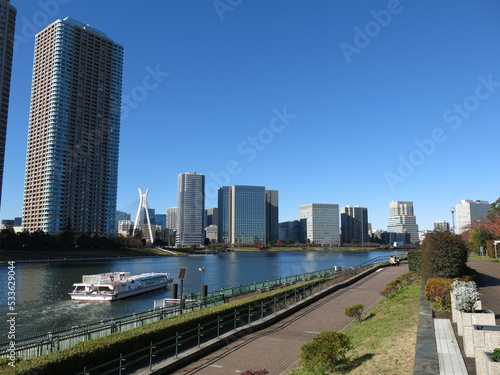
{"x":97,"y":351}
{"x":437,"y":290}
{"x":398,"y":283}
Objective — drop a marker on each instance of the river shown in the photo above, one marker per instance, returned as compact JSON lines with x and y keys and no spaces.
{"x":43,"y":303}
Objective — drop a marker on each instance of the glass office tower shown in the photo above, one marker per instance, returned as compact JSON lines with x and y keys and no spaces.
{"x":242,"y":214}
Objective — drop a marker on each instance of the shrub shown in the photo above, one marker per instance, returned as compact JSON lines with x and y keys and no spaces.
{"x":258,"y":372}
{"x":397,"y":284}
{"x":437,"y":289}
{"x":389,"y":290}
{"x":414,"y":260}
{"x":327,"y":349}
{"x":443,"y":255}
{"x":355,"y":311}
{"x":490,"y":249}
{"x":466,"y":294}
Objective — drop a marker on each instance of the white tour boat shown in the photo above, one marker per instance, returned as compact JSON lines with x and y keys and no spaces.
{"x":115,"y":285}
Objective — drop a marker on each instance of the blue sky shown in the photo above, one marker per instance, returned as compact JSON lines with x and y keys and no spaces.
{"x":353,"y":102}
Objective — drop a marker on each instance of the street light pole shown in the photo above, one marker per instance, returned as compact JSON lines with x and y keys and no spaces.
{"x":452,"y":219}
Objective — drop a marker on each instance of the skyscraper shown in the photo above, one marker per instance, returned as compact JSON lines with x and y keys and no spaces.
{"x":272,"y":228}
{"x":320,"y":223}
{"x":242,"y":214}
{"x":172,"y":218}
{"x":470,"y":212}
{"x":402,"y":218}
{"x":74,"y":127}
{"x":354,"y":224}
{"x":190,"y":209}
{"x":7,"y":28}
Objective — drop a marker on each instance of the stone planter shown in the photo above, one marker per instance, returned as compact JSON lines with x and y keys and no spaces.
{"x":455,"y":314}
{"x":486,"y":339}
{"x":490,"y":367}
{"x":469,"y":320}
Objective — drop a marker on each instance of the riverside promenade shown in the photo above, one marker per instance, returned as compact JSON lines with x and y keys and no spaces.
{"x":277,"y":348}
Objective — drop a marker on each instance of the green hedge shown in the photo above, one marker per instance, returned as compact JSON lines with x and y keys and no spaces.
{"x":414,"y":260}
{"x":444,"y":254}
{"x":396,"y":284}
{"x":97,"y":351}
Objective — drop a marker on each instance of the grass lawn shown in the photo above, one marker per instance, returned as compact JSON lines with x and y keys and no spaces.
{"x":489,"y":259}
{"x":384,"y":341}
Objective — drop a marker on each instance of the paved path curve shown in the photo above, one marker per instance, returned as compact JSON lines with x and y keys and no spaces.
{"x":277,"y":348}
{"x":488,"y":282}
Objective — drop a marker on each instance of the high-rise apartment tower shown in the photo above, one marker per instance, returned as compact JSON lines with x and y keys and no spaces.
{"x":402,"y":219}
{"x":319,"y":223}
{"x":190,"y":209}
{"x":7,"y":28}
{"x":354,"y":224}
{"x":74,"y":128}
{"x":471,"y":212}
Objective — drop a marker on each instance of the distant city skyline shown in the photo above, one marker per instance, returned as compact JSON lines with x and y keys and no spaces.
{"x":352,"y":103}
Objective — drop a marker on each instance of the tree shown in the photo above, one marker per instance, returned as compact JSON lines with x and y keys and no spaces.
{"x":478,"y":238}
{"x":355,"y":311}
{"x":138,"y":233}
{"x":443,"y":255}
{"x":328,"y":349}
{"x":492,"y":222}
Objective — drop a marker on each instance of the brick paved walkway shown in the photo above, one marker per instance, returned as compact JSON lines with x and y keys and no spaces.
{"x":488,"y":282}
{"x":277,"y":348}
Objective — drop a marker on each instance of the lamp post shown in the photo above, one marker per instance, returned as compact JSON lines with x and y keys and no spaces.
{"x":452,"y":219}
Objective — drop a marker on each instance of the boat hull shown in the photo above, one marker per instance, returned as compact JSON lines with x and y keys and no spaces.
{"x":114,"y":297}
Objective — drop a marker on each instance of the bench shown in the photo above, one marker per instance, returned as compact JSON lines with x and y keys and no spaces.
{"x":449,"y":355}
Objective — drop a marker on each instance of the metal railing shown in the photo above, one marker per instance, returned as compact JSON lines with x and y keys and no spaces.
{"x":218,"y":329}
{"x":38,"y":345}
